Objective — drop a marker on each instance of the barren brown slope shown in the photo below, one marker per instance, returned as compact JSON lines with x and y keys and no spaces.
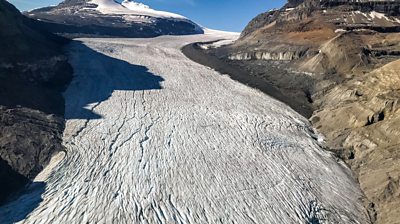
{"x":361,"y":120}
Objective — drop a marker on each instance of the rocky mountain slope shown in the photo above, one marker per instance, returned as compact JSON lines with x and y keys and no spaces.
{"x":88,"y":18}
{"x":341,"y":59}
{"x":33,"y":73}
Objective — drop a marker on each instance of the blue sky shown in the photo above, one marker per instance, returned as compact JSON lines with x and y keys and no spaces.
{"x":229,"y":15}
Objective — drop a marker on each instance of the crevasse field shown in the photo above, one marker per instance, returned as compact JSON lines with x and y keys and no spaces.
{"x":153,"y":137}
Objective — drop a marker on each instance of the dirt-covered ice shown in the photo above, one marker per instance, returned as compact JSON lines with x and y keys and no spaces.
{"x":153,"y":137}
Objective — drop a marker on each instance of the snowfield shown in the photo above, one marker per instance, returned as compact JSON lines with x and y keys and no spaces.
{"x":129,"y":7}
{"x":153,"y":137}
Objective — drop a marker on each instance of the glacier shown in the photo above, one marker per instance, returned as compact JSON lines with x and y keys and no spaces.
{"x":153,"y":137}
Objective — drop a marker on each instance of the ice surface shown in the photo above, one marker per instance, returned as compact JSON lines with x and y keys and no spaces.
{"x":225,"y":38}
{"x":153,"y":137}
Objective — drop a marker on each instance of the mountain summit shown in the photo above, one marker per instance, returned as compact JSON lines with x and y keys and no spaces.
{"x":80,"y":18}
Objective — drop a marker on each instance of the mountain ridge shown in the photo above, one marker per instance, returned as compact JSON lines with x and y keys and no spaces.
{"x":84,"y":18}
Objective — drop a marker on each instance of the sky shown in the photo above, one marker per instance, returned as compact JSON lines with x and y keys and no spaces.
{"x":228,"y":15}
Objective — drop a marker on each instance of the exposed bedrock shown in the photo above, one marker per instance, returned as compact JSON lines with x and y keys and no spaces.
{"x":33,"y":74}
{"x":276,"y":56}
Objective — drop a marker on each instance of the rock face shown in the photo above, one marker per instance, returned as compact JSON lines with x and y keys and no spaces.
{"x":343,"y":57}
{"x":33,"y":74}
{"x":361,"y":121}
{"x":85,"y":18}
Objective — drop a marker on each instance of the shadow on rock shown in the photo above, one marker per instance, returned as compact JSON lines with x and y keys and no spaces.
{"x":97,"y":76}
{"x":19,"y":209}
{"x":10,"y":180}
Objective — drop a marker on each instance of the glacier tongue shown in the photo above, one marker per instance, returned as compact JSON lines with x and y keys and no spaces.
{"x":153,"y":137}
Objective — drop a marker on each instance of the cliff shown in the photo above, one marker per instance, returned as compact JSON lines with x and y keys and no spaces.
{"x":33,"y":74}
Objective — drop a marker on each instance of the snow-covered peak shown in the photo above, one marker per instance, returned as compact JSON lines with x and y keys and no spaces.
{"x":129,"y":7}
{"x":116,"y":18}
{"x":132,"y":5}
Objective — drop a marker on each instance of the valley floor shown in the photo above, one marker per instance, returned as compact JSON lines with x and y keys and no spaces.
{"x":153,"y":137}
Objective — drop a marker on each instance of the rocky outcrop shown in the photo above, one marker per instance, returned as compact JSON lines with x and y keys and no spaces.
{"x":389,"y":7}
{"x":286,"y":55}
{"x":33,"y":74}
